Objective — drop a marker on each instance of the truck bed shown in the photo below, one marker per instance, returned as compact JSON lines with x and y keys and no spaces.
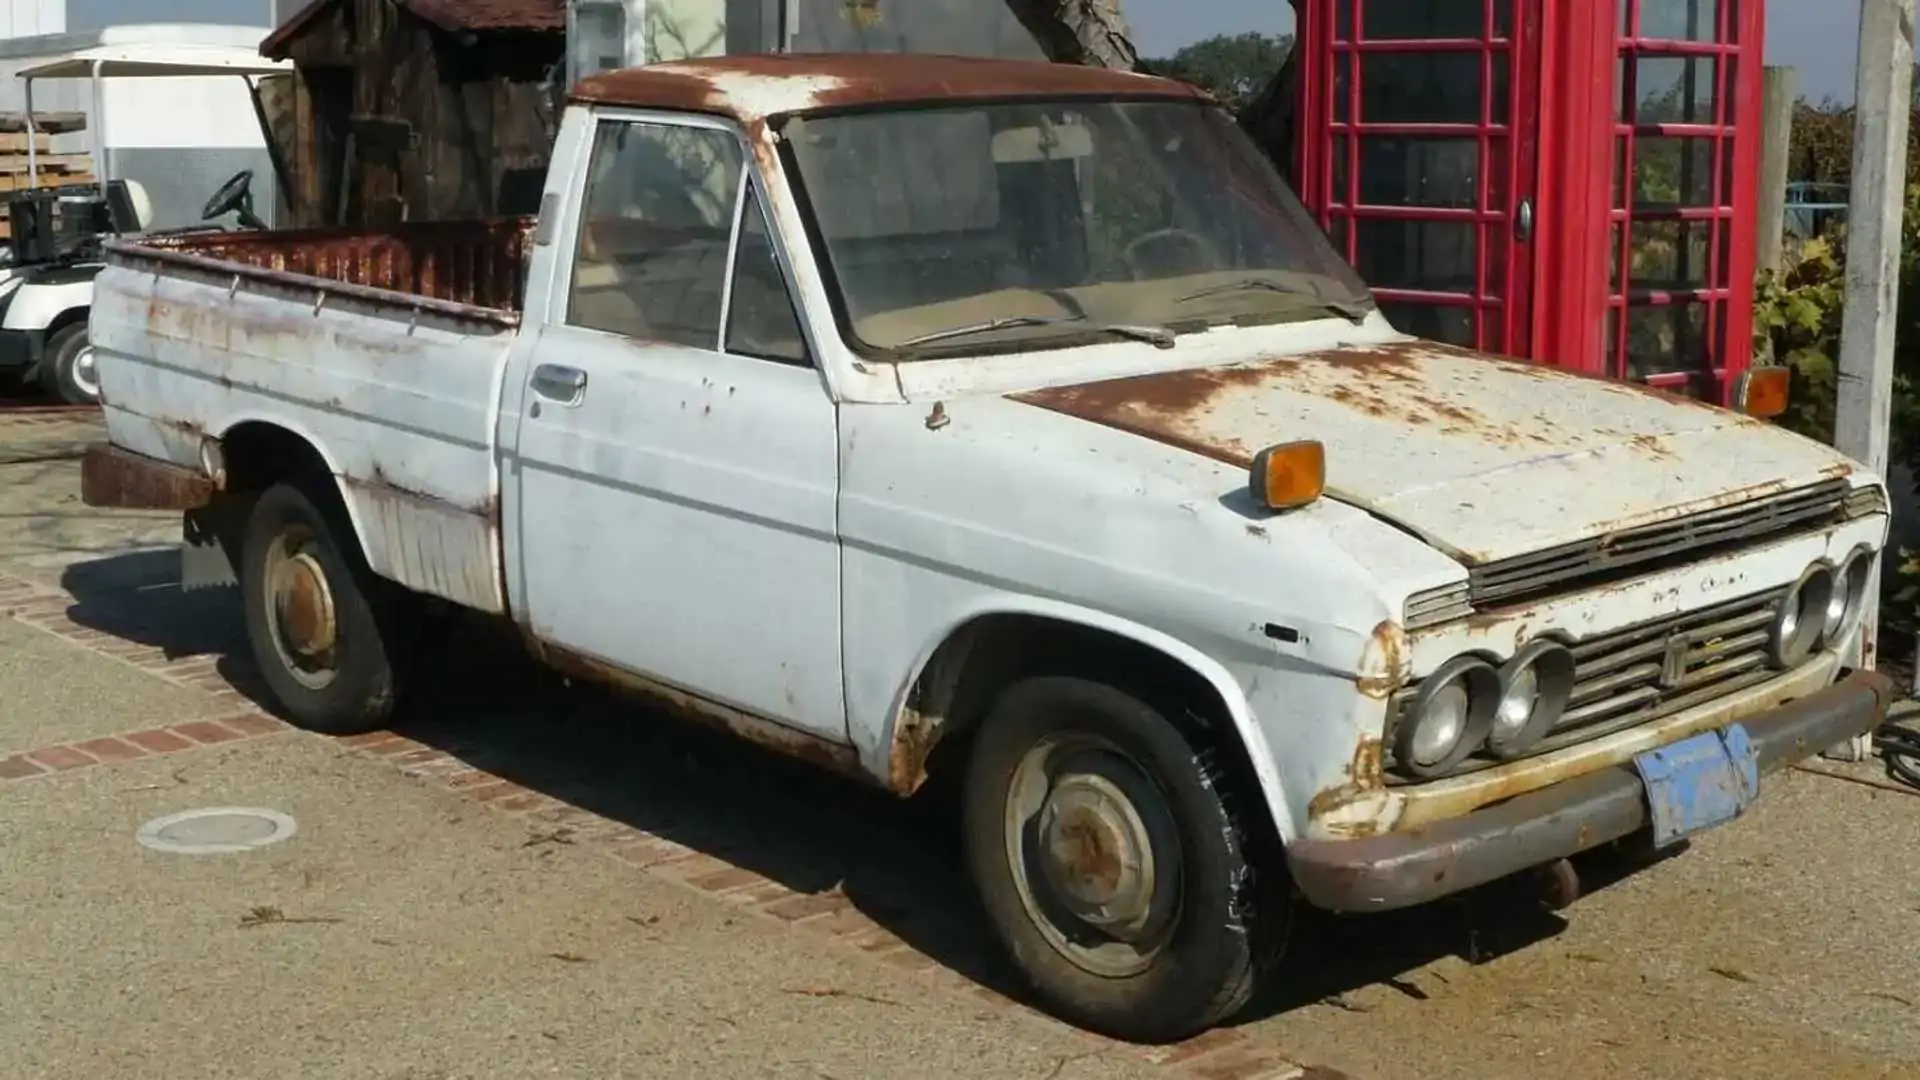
{"x":384,"y":350}
{"x":471,"y":264}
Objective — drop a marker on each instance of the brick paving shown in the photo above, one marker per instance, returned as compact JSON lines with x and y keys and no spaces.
{"x":1222,"y":1054}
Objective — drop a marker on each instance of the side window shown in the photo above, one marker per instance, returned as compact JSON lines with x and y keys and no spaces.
{"x":651,"y":260}
{"x":761,"y":320}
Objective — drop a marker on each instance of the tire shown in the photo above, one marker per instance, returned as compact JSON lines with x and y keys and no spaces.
{"x":1212,"y":925}
{"x":63,"y":372}
{"x":329,"y":657}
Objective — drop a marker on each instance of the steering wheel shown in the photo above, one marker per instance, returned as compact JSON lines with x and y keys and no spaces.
{"x":234,"y":197}
{"x":1208,"y":251}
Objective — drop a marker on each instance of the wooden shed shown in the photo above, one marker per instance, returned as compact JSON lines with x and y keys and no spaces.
{"x":417,"y":110}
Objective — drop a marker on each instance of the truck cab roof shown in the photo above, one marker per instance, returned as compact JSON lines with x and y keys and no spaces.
{"x":753,"y":88}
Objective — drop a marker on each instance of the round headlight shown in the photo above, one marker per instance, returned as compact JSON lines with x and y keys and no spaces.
{"x":1535,"y":687}
{"x":1849,"y":597}
{"x":1801,"y":618}
{"x":1448,"y":718}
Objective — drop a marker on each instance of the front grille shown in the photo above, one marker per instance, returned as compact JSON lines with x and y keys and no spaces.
{"x":1547,"y":573}
{"x":1623,"y":679}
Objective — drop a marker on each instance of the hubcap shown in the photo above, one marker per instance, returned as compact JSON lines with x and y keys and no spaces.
{"x":1095,"y":854}
{"x":85,"y":376}
{"x":300,"y":612}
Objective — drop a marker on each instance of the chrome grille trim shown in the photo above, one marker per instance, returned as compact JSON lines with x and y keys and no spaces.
{"x":1546,"y":573}
{"x":1438,"y":606}
{"x":1617,"y":676}
{"x":1866,"y":501}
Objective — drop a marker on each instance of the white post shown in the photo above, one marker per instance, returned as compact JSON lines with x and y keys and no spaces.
{"x":1883,"y":96}
{"x":99,"y":121}
{"x":33,"y":155}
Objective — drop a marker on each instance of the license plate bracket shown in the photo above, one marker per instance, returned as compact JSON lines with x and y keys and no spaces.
{"x":1699,"y":782}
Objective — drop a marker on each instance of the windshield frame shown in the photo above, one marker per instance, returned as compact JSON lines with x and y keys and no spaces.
{"x":1069,"y":334}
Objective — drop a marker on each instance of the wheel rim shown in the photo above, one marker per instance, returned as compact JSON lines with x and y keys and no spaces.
{"x":1095,"y":854}
{"x":300,"y":613}
{"x":85,"y":376}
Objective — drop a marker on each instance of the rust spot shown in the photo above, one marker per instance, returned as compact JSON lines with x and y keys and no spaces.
{"x":1258,"y":532}
{"x":1365,"y":773}
{"x":121,"y":479}
{"x":828,"y":81}
{"x":1651,"y":445}
{"x":1158,"y":407}
{"x":913,"y":741}
{"x":938,"y":418}
{"x":1384,"y":661}
{"x":765,"y":733}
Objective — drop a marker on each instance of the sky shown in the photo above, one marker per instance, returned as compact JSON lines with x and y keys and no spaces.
{"x":1818,"y":38}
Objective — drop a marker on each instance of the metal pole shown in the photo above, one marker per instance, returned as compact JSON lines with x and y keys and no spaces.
{"x":1883,"y":98}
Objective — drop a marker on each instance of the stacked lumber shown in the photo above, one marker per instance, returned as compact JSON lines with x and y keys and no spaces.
{"x":55,"y":170}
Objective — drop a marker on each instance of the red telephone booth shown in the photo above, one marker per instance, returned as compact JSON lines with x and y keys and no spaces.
{"x":1569,"y":180}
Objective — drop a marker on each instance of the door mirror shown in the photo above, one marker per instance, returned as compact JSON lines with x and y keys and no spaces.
{"x":1048,"y":142}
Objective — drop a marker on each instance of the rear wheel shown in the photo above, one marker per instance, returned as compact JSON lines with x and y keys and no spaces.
{"x":69,"y":372}
{"x":1112,"y":861}
{"x":318,"y":621}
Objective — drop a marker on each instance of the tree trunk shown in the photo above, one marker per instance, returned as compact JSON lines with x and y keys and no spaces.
{"x":1090,"y":32}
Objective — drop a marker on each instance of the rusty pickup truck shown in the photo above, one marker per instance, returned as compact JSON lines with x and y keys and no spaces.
{"x":922,"y":416}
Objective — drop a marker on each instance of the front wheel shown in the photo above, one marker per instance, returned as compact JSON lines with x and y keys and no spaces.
{"x":316,"y":616}
{"x":1111,"y":860}
{"x":70,"y":372}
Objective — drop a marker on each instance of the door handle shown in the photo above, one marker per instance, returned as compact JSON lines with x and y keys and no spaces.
{"x":559,"y":383}
{"x":1523,"y":221}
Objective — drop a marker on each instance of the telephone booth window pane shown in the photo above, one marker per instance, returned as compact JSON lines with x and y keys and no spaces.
{"x":1667,"y":340}
{"x":1431,"y":256}
{"x":1680,"y":20}
{"x":1453,"y":325}
{"x":1670,"y":173}
{"x":1397,"y":171}
{"x":1420,"y":88}
{"x":1674,"y":90}
{"x":1668,"y":256}
{"x":1398,"y":20}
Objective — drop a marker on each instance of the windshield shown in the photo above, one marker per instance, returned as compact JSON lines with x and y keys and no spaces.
{"x":996,"y":227}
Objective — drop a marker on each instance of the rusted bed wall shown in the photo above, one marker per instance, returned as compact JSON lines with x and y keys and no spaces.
{"x":481,"y":263}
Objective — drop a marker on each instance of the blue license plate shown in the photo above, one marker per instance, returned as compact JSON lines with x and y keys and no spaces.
{"x":1698,"y":783}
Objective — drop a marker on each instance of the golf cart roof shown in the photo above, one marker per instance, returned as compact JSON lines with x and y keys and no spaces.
{"x":157,"y":60}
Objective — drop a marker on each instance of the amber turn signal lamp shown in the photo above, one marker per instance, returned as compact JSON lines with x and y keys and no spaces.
{"x":1764,"y":391}
{"x":1289,"y":476}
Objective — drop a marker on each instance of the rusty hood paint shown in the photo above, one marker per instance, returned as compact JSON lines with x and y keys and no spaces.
{"x":1484,"y":458}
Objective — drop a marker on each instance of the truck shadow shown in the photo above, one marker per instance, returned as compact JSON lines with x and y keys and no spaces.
{"x":484,"y":701}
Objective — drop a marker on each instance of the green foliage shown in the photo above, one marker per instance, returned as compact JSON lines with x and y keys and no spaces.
{"x":1798,"y":314}
{"x":1232,"y":67}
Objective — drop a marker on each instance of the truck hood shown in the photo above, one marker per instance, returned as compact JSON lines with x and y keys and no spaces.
{"x":1482,"y":457}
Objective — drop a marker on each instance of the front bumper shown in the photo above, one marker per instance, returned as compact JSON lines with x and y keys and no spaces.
{"x":1397,"y":870}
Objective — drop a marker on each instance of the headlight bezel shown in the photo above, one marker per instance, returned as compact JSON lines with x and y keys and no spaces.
{"x":1800,"y":618}
{"x":1555,"y":673}
{"x":1482,"y":684}
{"x":1852,"y":579}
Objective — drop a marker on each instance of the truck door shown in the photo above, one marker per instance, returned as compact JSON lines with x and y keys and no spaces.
{"x":675,"y":463}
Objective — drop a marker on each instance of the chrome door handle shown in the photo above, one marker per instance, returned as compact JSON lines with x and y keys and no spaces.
{"x":1523,"y":221}
{"x":559,"y":383}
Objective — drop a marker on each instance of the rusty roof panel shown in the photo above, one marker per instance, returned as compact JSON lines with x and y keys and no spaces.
{"x":752,"y":88}
{"x":478,"y":15}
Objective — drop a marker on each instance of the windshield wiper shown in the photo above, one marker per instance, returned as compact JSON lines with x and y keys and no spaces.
{"x":1156,"y":335}
{"x":1354,"y":313}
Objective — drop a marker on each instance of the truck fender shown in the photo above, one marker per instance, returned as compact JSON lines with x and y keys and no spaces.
{"x":910,"y":737}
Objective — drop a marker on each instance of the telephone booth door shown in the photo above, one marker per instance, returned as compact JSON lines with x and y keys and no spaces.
{"x":1420,"y":156}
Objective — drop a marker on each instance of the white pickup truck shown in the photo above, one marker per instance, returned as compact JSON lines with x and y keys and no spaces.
{"x":912,"y":414}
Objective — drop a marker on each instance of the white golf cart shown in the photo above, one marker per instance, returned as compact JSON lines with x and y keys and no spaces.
{"x":46,"y":282}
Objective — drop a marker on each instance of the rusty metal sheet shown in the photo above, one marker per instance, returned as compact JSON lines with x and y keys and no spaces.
{"x":467,"y":269}
{"x":752,"y":88}
{"x":121,"y":479}
{"x":1484,"y":458}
